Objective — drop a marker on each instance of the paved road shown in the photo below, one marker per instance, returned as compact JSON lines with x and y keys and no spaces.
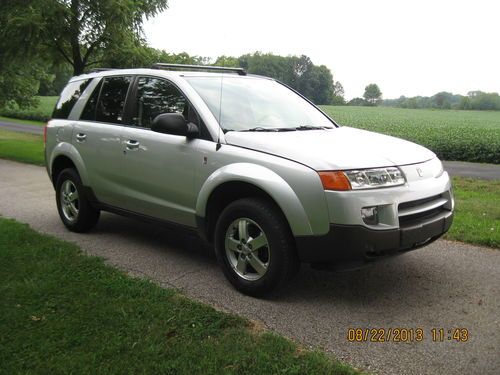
{"x":23,"y":128}
{"x":477,"y":170}
{"x":446,"y":285}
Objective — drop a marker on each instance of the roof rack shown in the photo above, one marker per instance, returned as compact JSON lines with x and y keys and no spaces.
{"x":239,"y":71}
{"x":96,"y":70}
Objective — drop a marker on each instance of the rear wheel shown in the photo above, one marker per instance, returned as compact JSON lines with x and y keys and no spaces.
{"x":74,"y":209}
{"x":255,"y":247}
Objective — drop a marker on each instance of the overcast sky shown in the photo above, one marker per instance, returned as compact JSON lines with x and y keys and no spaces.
{"x":406,"y":47}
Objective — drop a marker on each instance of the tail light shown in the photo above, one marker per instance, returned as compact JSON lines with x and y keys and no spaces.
{"x":45,"y":134}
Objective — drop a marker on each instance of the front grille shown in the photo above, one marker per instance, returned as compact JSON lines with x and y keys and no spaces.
{"x":422,"y":210}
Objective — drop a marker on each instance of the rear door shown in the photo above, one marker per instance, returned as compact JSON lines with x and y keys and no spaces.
{"x":159,"y":169}
{"x":97,"y":137}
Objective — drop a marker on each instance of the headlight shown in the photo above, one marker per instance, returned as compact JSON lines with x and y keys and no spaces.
{"x":436,"y":167}
{"x":362,"y":179}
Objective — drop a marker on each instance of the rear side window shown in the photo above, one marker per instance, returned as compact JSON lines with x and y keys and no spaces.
{"x":112,"y":99}
{"x":69,"y":97}
{"x":156,"y":96}
{"x":91,"y":106}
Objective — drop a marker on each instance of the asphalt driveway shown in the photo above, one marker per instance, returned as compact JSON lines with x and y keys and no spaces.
{"x":445,"y":285}
{"x":22,"y":128}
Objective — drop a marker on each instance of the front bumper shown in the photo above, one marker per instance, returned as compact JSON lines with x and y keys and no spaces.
{"x":354,"y":245}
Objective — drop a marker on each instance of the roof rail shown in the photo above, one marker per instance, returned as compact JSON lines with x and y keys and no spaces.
{"x":240,"y":71}
{"x":96,"y":70}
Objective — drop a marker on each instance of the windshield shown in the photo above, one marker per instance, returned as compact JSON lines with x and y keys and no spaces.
{"x":256,"y":104}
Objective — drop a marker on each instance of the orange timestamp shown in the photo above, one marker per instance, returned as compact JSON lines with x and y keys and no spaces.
{"x":407,"y":334}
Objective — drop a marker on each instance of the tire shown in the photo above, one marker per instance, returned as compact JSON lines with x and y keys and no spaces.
{"x":271,"y":261}
{"x":77,"y":214}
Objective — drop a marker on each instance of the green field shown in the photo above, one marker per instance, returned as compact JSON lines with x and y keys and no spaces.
{"x":65,"y":313}
{"x":453,"y":135}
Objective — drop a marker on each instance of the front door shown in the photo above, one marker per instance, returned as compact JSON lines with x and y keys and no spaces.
{"x":159,"y":169}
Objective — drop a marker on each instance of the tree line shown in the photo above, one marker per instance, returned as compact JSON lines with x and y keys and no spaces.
{"x":476,"y":100}
{"x":313,"y":81}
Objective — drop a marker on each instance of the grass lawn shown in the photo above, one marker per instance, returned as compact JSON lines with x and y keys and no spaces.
{"x":23,"y":147}
{"x":477,"y":216}
{"x":64,"y":312}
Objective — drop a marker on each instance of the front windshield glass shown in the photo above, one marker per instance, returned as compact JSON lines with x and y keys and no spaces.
{"x":247,"y":103}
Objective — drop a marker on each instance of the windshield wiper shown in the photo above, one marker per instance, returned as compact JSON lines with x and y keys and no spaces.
{"x":310,"y":127}
{"x":261,"y":129}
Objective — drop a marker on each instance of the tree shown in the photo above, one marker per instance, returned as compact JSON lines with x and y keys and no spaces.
{"x":357,"y":102}
{"x":338,"y":94}
{"x":313,"y":81}
{"x":82,"y":32}
{"x":372,"y":94}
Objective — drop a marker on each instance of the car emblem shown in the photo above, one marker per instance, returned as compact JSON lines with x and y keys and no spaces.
{"x":420,"y":173}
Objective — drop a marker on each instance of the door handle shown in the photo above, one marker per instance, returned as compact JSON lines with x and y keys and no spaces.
{"x":132,"y":145}
{"x":80,"y":137}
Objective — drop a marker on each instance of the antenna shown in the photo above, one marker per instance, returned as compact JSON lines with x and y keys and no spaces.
{"x":218,"y":146}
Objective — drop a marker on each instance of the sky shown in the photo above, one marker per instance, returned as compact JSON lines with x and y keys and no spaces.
{"x":406,"y":47}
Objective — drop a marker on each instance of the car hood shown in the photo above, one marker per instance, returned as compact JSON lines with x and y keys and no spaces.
{"x":332,"y":149}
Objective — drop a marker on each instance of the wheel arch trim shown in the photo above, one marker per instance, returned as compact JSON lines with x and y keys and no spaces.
{"x":264,"y":179}
{"x":65,"y":149}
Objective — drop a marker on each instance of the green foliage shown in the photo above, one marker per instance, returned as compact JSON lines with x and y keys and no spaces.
{"x":372,"y":94}
{"x":79,"y":31}
{"x":64,"y":312}
{"x":477,"y":100}
{"x":453,"y":135}
{"x":358,"y":102}
{"x":56,"y":80}
{"x":314,"y":82}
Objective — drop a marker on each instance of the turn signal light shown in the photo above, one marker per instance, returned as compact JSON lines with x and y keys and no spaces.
{"x":334,"y":180}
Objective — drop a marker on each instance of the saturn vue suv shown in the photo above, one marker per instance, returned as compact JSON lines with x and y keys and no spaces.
{"x":251,"y":165}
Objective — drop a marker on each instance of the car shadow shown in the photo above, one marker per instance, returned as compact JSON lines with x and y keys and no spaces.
{"x":388,"y":284}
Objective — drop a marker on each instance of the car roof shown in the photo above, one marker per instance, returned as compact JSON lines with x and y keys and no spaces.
{"x":161,"y":73}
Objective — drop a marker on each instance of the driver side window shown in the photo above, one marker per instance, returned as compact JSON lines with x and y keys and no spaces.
{"x":156,"y":96}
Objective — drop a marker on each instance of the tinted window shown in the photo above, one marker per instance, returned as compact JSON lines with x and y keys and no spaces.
{"x":112,"y":99}
{"x":156,"y":96}
{"x":90,"y":108}
{"x":68,"y":98}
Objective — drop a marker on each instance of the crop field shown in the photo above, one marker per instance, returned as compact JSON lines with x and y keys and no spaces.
{"x":453,"y":135}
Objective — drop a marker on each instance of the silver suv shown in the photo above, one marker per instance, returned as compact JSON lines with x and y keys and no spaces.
{"x":248,"y":163}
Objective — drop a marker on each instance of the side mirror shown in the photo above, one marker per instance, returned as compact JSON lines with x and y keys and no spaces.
{"x":175,"y":124}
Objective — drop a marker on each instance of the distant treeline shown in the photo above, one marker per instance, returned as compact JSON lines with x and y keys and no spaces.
{"x":477,"y":100}
{"x":313,"y":81}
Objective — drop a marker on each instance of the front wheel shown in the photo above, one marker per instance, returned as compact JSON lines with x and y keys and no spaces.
{"x":74,"y":209}
{"x":254,"y":246}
